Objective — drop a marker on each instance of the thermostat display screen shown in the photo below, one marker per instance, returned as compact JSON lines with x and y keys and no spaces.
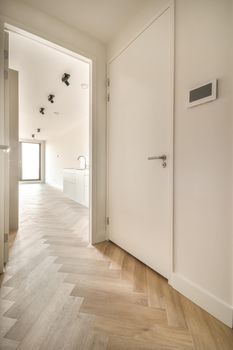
{"x":200,"y":92}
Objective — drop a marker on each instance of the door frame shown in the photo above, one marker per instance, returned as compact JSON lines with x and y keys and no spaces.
{"x":64,"y":47}
{"x":170,"y":6}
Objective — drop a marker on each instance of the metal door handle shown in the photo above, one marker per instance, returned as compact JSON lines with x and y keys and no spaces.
{"x":5,"y":148}
{"x":162,"y":157}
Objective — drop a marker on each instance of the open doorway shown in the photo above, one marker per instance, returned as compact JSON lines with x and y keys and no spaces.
{"x":54,"y":133}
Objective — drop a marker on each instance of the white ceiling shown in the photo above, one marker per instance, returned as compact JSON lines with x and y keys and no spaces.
{"x":40,"y":70}
{"x":102,"y":19}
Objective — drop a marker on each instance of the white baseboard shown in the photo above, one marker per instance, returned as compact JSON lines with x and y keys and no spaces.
{"x":207,"y":301}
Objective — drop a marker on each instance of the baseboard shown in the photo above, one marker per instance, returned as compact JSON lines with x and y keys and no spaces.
{"x":213,"y":305}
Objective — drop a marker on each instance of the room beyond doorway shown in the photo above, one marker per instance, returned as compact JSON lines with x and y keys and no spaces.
{"x":55,"y":133}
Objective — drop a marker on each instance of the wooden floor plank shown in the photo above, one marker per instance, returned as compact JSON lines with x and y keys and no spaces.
{"x":6,"y":344}
{"x":60,"y":292}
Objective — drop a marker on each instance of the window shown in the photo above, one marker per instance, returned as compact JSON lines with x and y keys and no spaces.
{"x":30,"y":161}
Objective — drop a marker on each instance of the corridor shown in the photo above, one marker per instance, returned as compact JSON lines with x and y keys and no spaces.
{"x":59,"y":292}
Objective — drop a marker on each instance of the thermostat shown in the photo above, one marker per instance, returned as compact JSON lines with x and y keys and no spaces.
{"x":202,"y":93}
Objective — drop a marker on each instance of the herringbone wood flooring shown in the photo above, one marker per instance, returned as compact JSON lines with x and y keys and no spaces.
{"x":60,"y":293}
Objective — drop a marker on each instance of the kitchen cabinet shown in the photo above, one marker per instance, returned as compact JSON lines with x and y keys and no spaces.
{"x":76,"y":185}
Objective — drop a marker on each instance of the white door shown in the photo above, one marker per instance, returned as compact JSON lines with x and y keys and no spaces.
{"x":4,"y":143}
{"x":140,"y":126}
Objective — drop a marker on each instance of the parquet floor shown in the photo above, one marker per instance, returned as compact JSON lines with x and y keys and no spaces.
{"x":60,"y":293}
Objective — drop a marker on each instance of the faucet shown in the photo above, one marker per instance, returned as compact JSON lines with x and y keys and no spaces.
{"x":85,"y":161}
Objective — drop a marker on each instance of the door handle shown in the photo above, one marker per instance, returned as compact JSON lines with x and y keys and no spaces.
{"x":5,"y":148}
{"x":163,"y":157}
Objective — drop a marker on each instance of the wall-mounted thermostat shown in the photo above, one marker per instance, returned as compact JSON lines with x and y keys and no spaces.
{"x":202,"y":93}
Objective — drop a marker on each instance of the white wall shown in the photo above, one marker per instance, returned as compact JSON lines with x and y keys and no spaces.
{"x":135,"y":25}
{"x":203,"y":151}
{"x":63,"y":150}
{"x":203,"y":155}
{"x":25,"y":17}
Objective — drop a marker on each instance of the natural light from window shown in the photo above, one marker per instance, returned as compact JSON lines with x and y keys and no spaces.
{"x":30,"y":161}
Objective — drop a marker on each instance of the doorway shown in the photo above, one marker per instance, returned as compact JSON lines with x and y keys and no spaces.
{"x":48,"y":147}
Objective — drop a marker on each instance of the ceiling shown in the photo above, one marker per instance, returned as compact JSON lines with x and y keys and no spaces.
{"x":40,"y":71}
{"x":102,"y":19}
